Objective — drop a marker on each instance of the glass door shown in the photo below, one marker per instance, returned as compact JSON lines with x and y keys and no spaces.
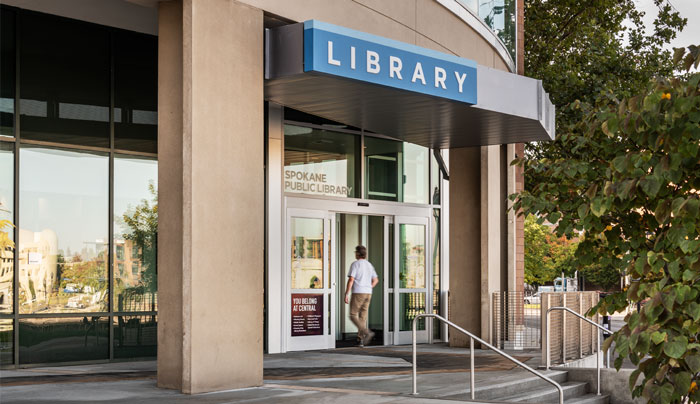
{"x":411,"y":289}
{"x":311,"y":298}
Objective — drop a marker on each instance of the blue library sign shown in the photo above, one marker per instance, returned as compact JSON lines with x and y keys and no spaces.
{"x":356,"y":55}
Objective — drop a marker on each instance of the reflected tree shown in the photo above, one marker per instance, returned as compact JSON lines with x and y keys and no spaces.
{"x":141,"y":223}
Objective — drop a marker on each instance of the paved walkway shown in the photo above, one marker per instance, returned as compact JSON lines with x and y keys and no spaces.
{"x":371,"y":375}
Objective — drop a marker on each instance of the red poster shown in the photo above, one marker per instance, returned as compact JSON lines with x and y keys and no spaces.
{"x":307,"y":315}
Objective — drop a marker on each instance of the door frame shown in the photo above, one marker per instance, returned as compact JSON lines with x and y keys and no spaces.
{"x":327,"y":339}
{"x":305,"y":206}
{"x":422,"y":336}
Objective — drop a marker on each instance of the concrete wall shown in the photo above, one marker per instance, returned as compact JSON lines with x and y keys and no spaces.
{"x":421,"y":22}
{"x":213,"y":144}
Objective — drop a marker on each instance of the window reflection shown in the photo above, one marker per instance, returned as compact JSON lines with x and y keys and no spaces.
{"x":412,"y":256}
{"x":7,"y":72}
{"x":135,"y":92}
{"x":435,"y":177}
{"x":135,"y":233}
{"x":396,"y":171}
{"x":7,"y":233}
{"x":45,"y":340}
{"x":436,"y":270}
{"x":320,"y":162}
{"x":307,"y":253}
{"x":6,"y":337}
{"x":63,"y":236}
{"x":499,"y":15}
{"x":135,"y":336}
{"x":411,"y":305}
{"x":65,"y":81}
{"x":415,"y":173}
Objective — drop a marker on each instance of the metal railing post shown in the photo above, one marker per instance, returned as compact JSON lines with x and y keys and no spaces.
{"x":580,"y":327}
{"x":415,"y":363}
{"x":471,"y":371}
{"x":546,"y":326}
{"x":598,"y":358}
{"x":563,"y":330}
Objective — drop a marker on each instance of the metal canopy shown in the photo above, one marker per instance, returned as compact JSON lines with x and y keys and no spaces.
{"x":510,"y":108}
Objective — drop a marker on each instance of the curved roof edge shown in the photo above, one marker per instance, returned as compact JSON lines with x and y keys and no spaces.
{"x":465,"y":14}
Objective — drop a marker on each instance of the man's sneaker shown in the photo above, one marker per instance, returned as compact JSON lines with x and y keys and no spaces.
{"x":368,"y":338}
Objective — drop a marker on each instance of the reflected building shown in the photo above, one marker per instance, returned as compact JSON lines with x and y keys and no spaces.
{"x":38,"y":269}
{"x":6,"y":278}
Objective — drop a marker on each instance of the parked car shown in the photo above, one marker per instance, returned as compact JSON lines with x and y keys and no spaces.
{"x":534,"y":299}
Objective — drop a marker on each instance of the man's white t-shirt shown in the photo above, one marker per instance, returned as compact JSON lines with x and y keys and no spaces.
{"x":363,"y":272}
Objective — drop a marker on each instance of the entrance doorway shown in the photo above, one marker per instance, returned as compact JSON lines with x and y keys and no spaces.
{"x":321,"y":245}
{"x":353,"y":230}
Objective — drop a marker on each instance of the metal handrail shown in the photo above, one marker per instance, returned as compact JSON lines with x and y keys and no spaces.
{"x":597,"y":359}
{"x":471,"y":348}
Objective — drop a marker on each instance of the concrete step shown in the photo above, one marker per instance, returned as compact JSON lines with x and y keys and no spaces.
{"x":510,"y":386}
{"x":548,"y":394}
{"x":590,"y":398}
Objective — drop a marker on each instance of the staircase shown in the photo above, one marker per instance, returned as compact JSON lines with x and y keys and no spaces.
{"x":533,"y":390}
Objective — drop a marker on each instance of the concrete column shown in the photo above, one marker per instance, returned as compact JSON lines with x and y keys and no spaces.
{"x":491,"y":249}
{"x":465,"y":242}
{"x":170,"y":195}
{"x":211,"y":188}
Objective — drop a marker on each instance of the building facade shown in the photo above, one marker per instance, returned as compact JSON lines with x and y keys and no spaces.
{"x":225,"y":157}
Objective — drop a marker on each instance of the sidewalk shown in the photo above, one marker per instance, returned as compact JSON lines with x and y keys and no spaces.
{"x":371,"y":375}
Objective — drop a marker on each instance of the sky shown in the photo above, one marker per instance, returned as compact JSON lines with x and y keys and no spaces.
{"x":689,"y":9}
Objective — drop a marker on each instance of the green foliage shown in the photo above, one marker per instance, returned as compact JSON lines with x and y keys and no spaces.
{"x":84,"y":273}
{"x":580,"y":49}
{"x":546,"y":255}
{"x":631,"y":182}
{"x":142,"y":222}
{"x":6,"y":241}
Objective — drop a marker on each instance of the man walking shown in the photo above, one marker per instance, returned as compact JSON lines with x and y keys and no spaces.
{"x":361,"y":279}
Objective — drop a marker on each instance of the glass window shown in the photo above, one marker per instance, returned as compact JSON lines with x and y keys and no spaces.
{"x":7,"y":356}
{"x":396,"y":171}
{"x":435,"y":180}
{"x":135,"y":336}
{"x":321,"y":162}
{"x":500,"y":16}
{"x":307,"y":253}
{"x":412,"y":256}
{"x":383,"y":171}
{"x":135,"y":233}
{"x":63,"y":236}
{"x":135,"y":92}
{"x":415,"y":173}
{"x":411,"y":305}
{"x":65,"y":81}
{"x":45,"y":340}
{"x":7,"y":72}
{"x":436,"y":270}
{"x":7,"y":233}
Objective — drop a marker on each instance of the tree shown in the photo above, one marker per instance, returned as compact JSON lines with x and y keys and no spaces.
{"x":631,"y":184}
{"x":546,"y":255}
{"x":582,"y":48}
{"x":6,"y":242}
{"x":142,"y":224}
